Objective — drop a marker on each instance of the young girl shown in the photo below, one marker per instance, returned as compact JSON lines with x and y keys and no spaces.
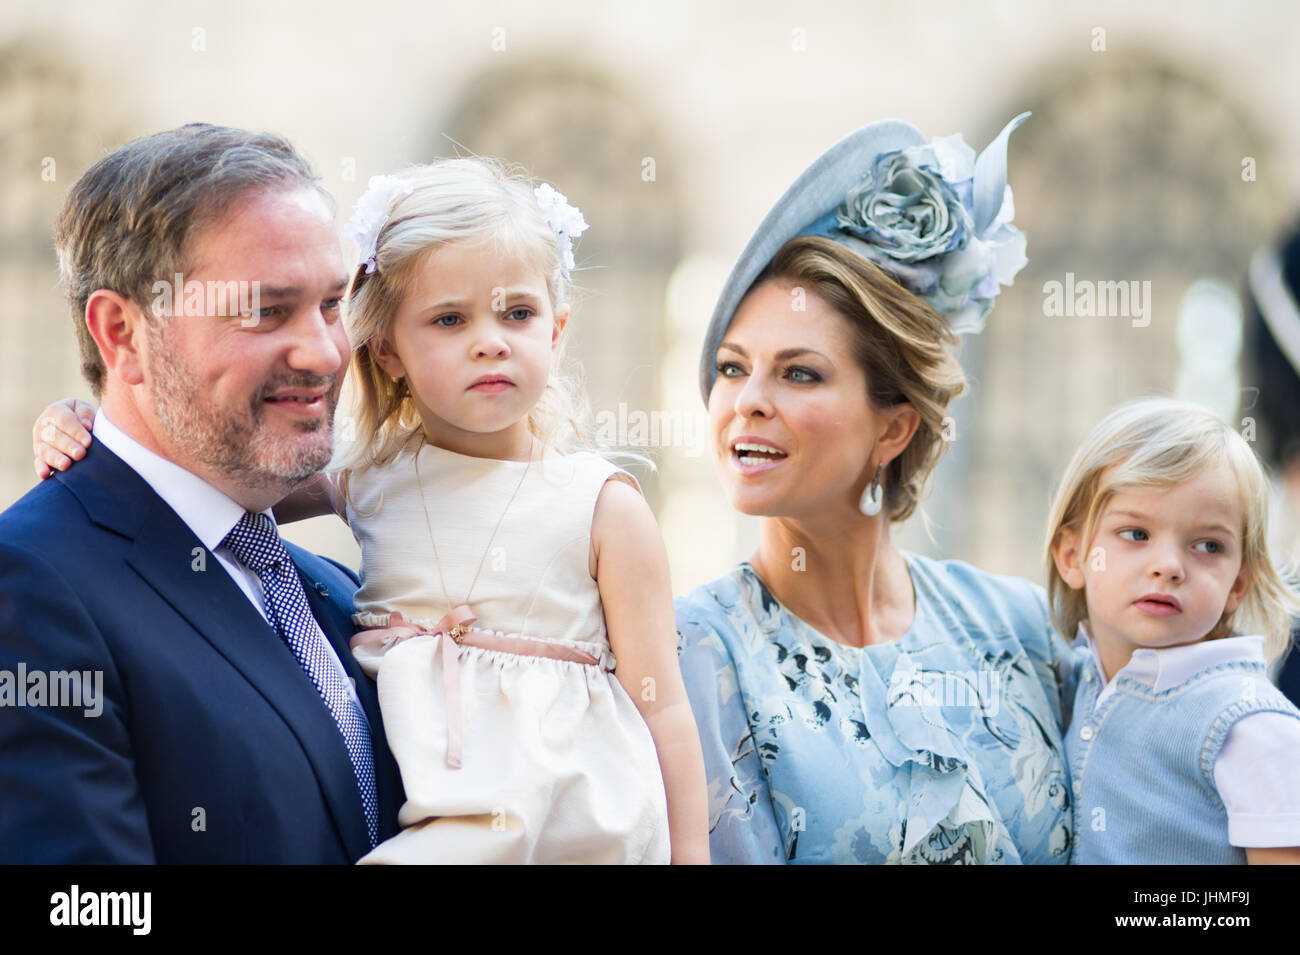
{"x":1180,"y":749}
{"x":505,"y":569}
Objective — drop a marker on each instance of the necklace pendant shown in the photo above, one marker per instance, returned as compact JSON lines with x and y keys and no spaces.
{"x":457,"y":633}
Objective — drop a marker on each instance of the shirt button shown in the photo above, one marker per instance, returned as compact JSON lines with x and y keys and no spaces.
{"x":1086,"y":733}
{"x":1087,"y":674}
{"x":1078,"y":787}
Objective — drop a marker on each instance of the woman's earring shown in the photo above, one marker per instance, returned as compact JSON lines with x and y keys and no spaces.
{"x":872,"y":497}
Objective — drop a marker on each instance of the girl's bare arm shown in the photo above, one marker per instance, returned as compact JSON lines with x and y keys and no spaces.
{"x":632,"y":574}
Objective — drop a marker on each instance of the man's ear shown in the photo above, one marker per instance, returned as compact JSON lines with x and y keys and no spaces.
{"x":1068,"y":559}
{"x":561,"y":319}
{"x":382,"y":352}
{"x":117,"y":326}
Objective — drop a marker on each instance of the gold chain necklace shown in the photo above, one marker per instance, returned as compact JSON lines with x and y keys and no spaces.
{"x":457,"y":632}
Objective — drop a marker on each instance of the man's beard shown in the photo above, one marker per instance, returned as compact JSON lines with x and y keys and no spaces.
{"x":238,"y":446}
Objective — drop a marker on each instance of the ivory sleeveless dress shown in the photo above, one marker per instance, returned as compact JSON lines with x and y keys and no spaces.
{"x":557,"y":763}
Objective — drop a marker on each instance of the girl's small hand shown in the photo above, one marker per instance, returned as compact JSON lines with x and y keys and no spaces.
{"x":369,"y":646}
{"x":61,"y":435}
{"x":379,"y":640}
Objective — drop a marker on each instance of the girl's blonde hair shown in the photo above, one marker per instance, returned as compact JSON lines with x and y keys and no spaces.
{"x":1162,"y":442}
{"x":472,"y":200}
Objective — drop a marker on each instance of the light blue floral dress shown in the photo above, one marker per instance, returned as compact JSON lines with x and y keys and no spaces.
{"x":942,"y":746}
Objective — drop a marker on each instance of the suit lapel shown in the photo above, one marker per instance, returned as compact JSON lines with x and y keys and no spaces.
{"x":168,"y":556}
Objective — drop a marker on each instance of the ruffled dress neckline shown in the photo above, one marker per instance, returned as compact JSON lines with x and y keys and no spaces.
{"x":947,"y":812}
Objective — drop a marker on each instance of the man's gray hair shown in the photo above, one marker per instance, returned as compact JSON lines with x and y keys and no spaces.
{"x":128,"y":221}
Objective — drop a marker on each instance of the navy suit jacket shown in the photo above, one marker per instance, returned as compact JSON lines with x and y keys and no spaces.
{"x":212,"y":746}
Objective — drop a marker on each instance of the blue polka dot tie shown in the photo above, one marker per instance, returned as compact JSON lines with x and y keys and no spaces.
{"x":257,"y":545}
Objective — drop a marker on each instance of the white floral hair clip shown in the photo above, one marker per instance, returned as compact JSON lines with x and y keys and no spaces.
{"x":370,"y":214}
{"x":566,"y":222}
{"x":372,"y":211}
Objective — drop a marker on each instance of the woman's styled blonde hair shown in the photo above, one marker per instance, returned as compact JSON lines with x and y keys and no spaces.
{"x":1161,"y":442}
{"x":901,"y":344}
{"x":463,"y":200}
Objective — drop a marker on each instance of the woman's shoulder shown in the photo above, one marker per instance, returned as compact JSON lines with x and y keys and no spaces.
{"x":720,"y":597}
{"x":721,"y":625}
{"x":997,"y":616}
{"x":956,"y":580}
{"x":988,"y":606}
{"x":734,"y":608}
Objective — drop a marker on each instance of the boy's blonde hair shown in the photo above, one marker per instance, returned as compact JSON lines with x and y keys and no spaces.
{"x":472,"y":200}
{"x":1161,"y":442}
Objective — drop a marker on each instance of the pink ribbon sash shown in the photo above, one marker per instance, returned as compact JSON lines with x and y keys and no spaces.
{"x":455,"y":632}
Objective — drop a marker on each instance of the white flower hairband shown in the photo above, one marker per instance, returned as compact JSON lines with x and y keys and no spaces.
{"x":372,"y":210}
{"x":566,"y":222}
{"x":370,"y":214}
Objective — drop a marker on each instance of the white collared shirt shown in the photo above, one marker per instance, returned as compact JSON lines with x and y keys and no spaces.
{"x":1257,"y":773}
{"x":206,"y":511}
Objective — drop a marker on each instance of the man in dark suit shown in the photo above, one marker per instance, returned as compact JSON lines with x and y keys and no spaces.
{"x":175,"y":681}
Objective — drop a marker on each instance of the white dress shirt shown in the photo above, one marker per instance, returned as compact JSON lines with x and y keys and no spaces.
{"x":1258,"y":769}
{"x":208,"y":512}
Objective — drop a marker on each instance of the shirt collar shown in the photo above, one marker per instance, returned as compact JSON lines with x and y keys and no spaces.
{"x":208,"y":512}
{"x":1173,"y":666}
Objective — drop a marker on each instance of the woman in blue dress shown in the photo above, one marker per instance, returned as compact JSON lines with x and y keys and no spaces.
{"x":858,"y":703}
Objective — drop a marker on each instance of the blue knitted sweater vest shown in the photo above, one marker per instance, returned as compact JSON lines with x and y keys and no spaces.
{"x":1142,"y":764}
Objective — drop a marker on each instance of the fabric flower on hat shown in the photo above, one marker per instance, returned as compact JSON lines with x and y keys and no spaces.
{"x":905,"y":209}
{"x":927,"y":216}
{"x":932,"y":214}
{"x":370,"y":214}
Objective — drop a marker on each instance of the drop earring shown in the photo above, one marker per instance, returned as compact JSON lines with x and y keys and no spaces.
{"x":872,"y":497}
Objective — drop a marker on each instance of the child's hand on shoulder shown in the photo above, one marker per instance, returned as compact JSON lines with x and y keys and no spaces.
{"x":61,"y":435}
